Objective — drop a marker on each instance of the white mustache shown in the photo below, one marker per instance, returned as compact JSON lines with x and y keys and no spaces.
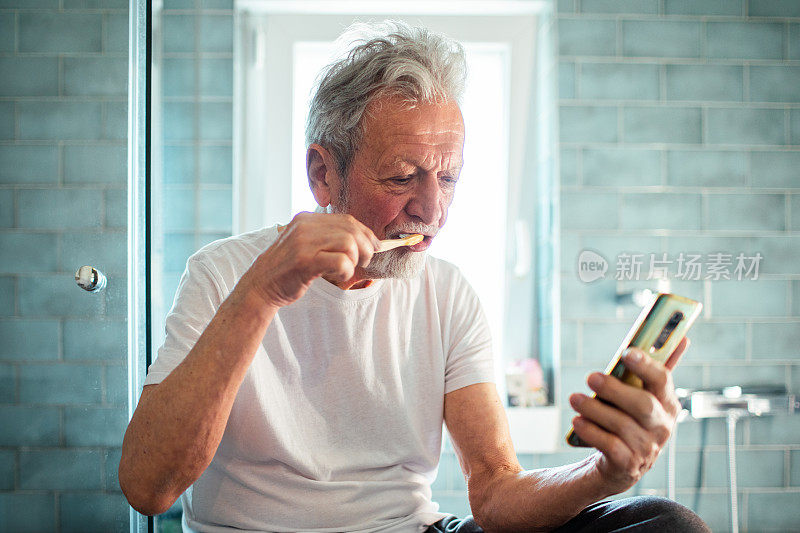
{"x":424,"y":229}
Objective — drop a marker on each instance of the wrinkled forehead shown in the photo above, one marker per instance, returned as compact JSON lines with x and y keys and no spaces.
{"x":393,"y":128}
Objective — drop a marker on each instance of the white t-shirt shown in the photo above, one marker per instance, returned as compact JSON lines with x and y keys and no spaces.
{"x":338,"y":423}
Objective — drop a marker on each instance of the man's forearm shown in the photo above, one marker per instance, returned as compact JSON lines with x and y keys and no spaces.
{"x":179,"y":423}
{"x":535,"y":500}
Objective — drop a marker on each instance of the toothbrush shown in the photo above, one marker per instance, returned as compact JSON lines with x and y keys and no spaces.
{"x":390,"y":244}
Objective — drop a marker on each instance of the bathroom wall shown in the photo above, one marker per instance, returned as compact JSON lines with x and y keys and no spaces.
{"x":63,"y":120}
{"x":680,"y":133}
{"x":193,"y":168}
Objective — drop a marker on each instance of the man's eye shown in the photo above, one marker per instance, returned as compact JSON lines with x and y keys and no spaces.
{"x":402,"y":180}
{"x":450,"y":180}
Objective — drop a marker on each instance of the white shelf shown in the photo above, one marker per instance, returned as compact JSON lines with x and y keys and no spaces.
{"x":534,"y":429}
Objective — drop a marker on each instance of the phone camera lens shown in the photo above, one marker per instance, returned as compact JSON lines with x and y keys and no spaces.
{"x":672,"y":323}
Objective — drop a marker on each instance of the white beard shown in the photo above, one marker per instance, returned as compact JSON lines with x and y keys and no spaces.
{"x":397,"y":263}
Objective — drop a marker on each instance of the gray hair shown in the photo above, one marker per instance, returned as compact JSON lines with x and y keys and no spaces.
{"x":391,"y":58}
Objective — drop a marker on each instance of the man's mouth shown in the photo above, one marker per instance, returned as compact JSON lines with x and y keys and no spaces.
{"x":420,"y":246}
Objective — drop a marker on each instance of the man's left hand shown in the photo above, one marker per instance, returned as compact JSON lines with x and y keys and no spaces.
{"x":630,"y":433}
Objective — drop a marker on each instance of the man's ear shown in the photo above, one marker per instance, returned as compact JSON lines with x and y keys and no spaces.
{"x":322,"y":175}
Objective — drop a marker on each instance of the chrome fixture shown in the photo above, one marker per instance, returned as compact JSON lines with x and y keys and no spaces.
{"x":730,"y":403}
{"x":90,"y":279}
{"x":641,"y":297}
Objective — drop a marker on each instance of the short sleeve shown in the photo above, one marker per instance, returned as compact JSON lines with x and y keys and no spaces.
{"x":196,"y":302}
{"x":469,"y":353}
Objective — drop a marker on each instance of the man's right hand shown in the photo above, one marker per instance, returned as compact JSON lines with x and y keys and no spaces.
{"x":312,"y":245}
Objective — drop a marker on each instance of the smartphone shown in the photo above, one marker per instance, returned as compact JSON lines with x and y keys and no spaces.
{"x":657,"y":331}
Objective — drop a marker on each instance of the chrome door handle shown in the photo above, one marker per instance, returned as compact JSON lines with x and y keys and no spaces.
{"x":90,"y":279}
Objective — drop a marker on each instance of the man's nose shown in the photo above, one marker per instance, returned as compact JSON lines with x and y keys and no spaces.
{"x":425,"y":203}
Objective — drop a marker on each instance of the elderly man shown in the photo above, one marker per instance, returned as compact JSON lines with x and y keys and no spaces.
{"x":305,"y":378}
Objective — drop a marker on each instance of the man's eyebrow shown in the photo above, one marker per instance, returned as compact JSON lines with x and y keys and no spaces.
{"x":403,"y":160}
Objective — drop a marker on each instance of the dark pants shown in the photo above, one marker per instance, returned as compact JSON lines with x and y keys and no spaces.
{"x":629,"y":515}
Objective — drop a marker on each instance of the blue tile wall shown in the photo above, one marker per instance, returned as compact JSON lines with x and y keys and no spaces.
{"x":660,"y":211}
{"x":216,"y":165}
{"x":106,"y":163}
{"x":676,"y":125}
{"x":53,"y":32}
{"x":116,"y":34}
{"x":773,"y":8}
{"x":588,"y":123}
{"x":707,"y":168}
{"x":63,"y":167}
{"x":772,"y":512}
{"x":706,"y":7}
{"x":60,"y":120}
{"x":7,"y":32}
{"x":216,"y":77}
{"x":566,"y":80}
{"x":95,"y":76}
{"x":775,"y":169}
{"x":774,"y":84}
{"x":56,"y":208}
{"x":216,"y":121}
{"x":115,"y":125}
{"x":7,"y":295}
{"x":618,"y":81}
{"x":178,"y":77}
{"x":746,"y":126}
{"x":29,"y":426}
{"x":39,"y":512}
{"x":94,"y":339}
{"x":705,"y":82}
{"x":60,"y":468}
{"x":745,"y":40}
{"x":718,"y":341}
{"x":661,"y":38}
{"x":216,"y":33}
{"x":578,"y":36}
{"x":46,"y":4}
{"x":107,"y":511}
{"x":107,"y":248}
{"x":619,"y":6}
{"x":621,"y":167}
{"x":746,"y":212}
{"x":7,"y":120}
{"x":94,"y":426}
{"x":116,"y":208}
{"x":782,"y":250}
{"x":28,"y":164}
{"x":717,"y":149}
{"x":794,"y":41}
{"x":56,"y":384}
{"x":8,"y":382}
{"x":6,"y":208}
{"x":34,"y":339}
{"x":7,"y":462}
{"x":49,"y":295}
{"x":31,"y":76}
{"x":30,"y":252}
